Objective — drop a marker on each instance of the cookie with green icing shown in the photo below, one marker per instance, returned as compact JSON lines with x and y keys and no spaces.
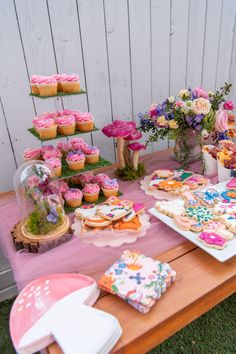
{"x":200,"y":213}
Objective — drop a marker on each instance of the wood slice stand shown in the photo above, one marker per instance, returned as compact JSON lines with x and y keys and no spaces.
{"x":31,"y":243}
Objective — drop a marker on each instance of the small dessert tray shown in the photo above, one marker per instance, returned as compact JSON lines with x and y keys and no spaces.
{"x":221,"y":255}
{"x":167,"y":195}
{"x":59,"y":94}
{"x":60,"y":136}
{"x":111,"y":238}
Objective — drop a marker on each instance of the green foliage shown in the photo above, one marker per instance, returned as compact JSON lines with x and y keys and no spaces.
{"x":38,"y":225}
{"x":219,"y":96}
{"x":128,"y":173}
{"x":66,"y":172}
{"x":59,"y":94}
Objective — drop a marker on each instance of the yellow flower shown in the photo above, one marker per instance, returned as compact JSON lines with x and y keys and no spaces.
{"x":183,"y":93}
{"x":162,"y":121}
{"x":173,"y":124}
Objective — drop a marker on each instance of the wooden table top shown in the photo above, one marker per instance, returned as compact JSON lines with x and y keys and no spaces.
{"x":202,"y":282}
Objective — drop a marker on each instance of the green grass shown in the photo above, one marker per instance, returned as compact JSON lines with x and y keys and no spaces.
{"x":212,"y":333}
{"x":60,"y":136}
{"x":59,"y":94}
{"x":66,"y":172}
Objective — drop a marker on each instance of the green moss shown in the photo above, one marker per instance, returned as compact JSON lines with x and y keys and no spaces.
{"x":59,"y":94}
{"x":128,"y":173}
{"x":66,"y":172}
{"x":60,"y":136}
{"x":38,"y":225}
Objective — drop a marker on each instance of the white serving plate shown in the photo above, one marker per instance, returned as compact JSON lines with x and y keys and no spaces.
{"x":221,"y":255}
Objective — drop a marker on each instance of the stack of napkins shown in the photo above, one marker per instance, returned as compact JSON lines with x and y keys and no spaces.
{"x":138,"y":279}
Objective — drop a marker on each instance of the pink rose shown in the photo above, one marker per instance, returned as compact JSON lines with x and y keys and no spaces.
{"x":33,"y":181}
{"x":229,"y":105}
{"x":179,"y":104}
{"x":221,"y":123}
{"x":199,"y":92}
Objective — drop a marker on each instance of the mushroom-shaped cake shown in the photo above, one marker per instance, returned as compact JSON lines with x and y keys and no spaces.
{"x":37,"y":309}
{"x":135,"y":135}
{"x":136,"y":147}
{"x":119,"y":129}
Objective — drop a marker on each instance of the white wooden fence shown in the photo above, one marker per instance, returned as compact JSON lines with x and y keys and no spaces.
{"x":127,"y":52}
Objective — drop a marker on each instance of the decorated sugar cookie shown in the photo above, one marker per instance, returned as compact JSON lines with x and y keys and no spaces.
{"x":219,"y":228}
{"x":137,"y":208}
{"x":187,"y":224}
{"x":212,"y":240}
{"x":195,"y":181}
{"x":230,"y":221}
{"x":86,"y":211}
{"x":113,"y":212}
{"x":170,"y":185}
{"x":162,"y":174}
{"x":134,"y":224}
{"x":231,"y":184}
{"x":224,"y":208}
{"x":208,"y":198}
{"x":200,"y":213}
{"x":170,"y":208}
{"x":229,"y":196}
{"x":190,"y":199}
{"x":96,"y":221}
{"x":181,"y":175}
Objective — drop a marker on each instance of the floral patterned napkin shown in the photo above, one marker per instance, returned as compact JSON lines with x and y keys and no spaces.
{"x":138,"y":279}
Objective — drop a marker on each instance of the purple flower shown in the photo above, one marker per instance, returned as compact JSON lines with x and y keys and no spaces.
{"x":198,"y":127}
{"x":199,"y":118}
{"x":189,"y":120}
{"x":53,"y":216}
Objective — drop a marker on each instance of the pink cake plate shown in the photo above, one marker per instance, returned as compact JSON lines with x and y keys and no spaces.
{"x":111,"y":238}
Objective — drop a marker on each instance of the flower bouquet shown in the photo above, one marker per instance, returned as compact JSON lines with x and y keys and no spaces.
{"x":188,"y":118}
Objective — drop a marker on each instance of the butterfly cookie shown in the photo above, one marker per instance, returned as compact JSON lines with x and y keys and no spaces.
{"x":208,"y":198}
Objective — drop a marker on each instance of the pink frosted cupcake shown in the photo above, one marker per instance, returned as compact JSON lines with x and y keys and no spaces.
{"x":55,"y":164}
{"x":110,"y":187}
{"x":68,"y":112}
{"x":63,"y":186}
{"x":100,"y":177}
{"x":45,"y":148}
{"x":47,"y":86}
{"x":78,"y":144}
{"x":66,"y":125}
{"x":91,"y":154}
{"x":32,"y":154}
{"x":75,"y":160}
{"x":46,"y":128}
{"x":70,"y":83}
{"x":33,"y":84}
{"x":55,"y":152}
{"x":58,"y":79}
{"x":86,"y":177}
{"x":64,"y":147}
{"x":91,"y":192}
{"x":73,"y":197}
{"x":85,"y":122}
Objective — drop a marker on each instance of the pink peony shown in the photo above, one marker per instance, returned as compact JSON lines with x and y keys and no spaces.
{"x":33,"y":181}
{"x":179,"y":104}
{"x":221,"y":123}
{"x":229,"y":105}
{"x":200,"y":92}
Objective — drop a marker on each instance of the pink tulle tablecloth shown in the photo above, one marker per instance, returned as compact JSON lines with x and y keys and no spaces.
{"x":75,"y":256}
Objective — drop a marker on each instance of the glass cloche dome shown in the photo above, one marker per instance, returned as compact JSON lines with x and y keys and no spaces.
{"x":38,"y":197}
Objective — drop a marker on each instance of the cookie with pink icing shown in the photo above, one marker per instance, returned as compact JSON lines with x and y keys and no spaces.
{"x":187,"y":224}
{"x":113,"y":212}
{"x":231,"y":184}
{"x":219,"y":228}
{"x":195,"y":181}
{"x":224,"y":208}
{"x":212,"y":240}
